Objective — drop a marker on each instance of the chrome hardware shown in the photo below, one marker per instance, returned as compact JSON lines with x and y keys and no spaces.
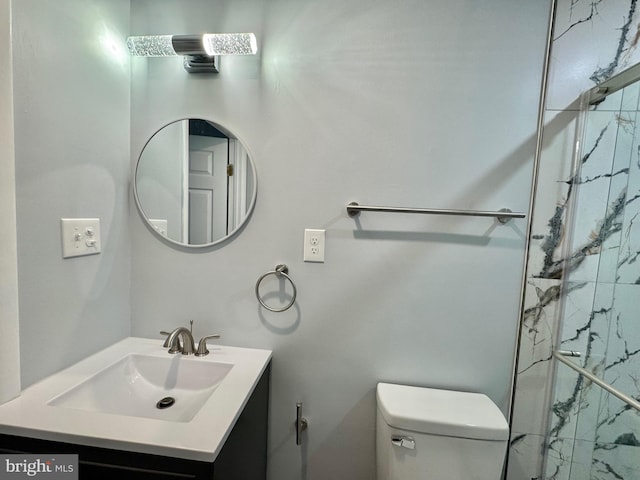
{"x":168,"y":334}
{"x":280,"y":270}
{"x":166,"y":340}
{"x":569,"y":353}
{"x":629,"y":400}
{"x":173,"y":342}
{"x":301,"y":423}
{"x":202,"y":345}
{"x":403,"y":441}
{"x":503,"y":215}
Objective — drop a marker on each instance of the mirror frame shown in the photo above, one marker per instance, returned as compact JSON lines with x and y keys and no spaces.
{"x":250,"y":208}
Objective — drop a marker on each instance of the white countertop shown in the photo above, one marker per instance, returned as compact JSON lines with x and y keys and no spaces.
{"x":199,"y":439}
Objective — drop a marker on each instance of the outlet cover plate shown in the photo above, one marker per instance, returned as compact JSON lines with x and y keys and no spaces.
{"x":314,"y":243}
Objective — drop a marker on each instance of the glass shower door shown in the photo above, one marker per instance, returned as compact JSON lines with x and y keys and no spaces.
{"x":594,"y":434}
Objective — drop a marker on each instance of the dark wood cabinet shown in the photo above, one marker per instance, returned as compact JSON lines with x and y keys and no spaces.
{"x":243,"y":456}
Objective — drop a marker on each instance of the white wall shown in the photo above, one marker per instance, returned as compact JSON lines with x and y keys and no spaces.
{"x":71,"y":97}
{"x":9,"y":332}
{"x":413,"y":103}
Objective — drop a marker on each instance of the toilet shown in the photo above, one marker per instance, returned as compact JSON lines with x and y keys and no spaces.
{"x":431,"y":434}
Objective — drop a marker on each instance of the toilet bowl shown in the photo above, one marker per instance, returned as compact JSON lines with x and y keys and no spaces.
{"x":431,"y":434}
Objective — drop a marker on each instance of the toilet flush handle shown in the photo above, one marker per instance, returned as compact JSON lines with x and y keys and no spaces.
{"x":403,"y":441}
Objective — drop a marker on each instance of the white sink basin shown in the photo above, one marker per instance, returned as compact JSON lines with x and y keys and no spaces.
{"x":170,"y":388}
{"x":108,"y":400}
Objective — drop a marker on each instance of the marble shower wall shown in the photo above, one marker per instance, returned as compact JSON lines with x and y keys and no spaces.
{"x":581,"y":431}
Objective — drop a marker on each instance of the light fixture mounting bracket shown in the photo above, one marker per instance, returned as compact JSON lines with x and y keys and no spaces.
{"x":201,"y":64}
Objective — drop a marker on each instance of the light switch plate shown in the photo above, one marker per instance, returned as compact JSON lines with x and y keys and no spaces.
{"x":80,"y":236}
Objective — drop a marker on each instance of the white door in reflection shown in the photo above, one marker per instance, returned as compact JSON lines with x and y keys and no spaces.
{"x":207,"y":202}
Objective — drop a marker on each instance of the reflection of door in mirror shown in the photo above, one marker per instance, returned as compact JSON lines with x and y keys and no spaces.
{"x":241,"y":184}
{"x":207,"y":207}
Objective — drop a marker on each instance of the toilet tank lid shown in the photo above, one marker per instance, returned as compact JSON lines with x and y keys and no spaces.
{"x":441,"y":412}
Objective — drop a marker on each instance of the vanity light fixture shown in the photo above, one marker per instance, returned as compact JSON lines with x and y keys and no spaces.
{"x":200,"y":51}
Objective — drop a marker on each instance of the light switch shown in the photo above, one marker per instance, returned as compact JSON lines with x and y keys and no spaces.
{"x":80,"y":236}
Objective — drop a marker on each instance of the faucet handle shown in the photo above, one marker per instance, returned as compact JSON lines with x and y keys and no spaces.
{"x":202,"y":345}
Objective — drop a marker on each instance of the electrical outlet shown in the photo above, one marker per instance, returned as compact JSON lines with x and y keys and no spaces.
{"x":160,"y":225}
{"x":80,"y":236}
{"x":313,"y":245}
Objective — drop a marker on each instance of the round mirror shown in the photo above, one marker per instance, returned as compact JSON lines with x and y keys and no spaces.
{"x":195,"y":183}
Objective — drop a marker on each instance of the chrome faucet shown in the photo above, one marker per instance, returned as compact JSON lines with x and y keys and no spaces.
{"x":187,"y":347}
{"x":173,"y":341}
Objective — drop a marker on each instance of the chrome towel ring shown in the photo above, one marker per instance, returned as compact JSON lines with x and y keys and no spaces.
{"x":280,"y":270}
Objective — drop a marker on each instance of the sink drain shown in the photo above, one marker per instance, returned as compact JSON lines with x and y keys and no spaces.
{"x":165,"y":402}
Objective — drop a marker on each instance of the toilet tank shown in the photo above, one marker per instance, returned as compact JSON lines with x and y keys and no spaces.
{"x":432,"y":434}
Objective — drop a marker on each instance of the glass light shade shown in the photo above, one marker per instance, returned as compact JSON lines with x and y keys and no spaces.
{"x":210,"y":44}
{"x":230,"y":43}
{"x":151,"y":46}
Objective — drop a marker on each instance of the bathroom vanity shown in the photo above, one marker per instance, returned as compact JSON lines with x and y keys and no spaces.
{"x":100,"y":409}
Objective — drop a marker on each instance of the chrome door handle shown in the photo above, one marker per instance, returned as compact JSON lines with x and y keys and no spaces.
{"x":403,"y":441}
